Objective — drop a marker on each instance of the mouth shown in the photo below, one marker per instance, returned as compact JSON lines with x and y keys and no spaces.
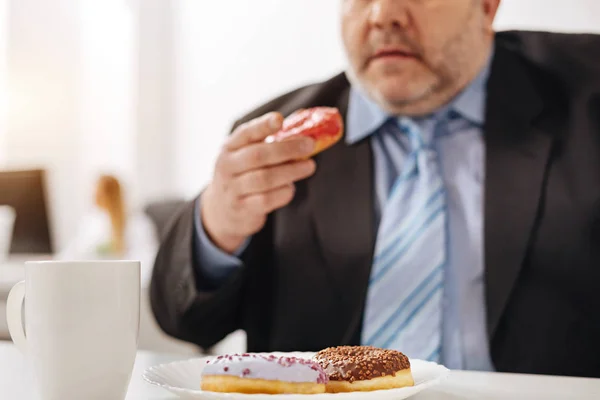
{"x":392,"y":54}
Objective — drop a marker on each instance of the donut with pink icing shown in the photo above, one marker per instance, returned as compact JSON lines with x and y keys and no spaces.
{"x":264,"y":374}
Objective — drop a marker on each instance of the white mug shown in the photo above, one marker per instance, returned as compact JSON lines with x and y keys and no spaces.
{"x":81,"y":326}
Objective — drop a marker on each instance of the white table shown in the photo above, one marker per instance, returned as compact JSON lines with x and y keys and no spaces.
{"x":16,"y":383}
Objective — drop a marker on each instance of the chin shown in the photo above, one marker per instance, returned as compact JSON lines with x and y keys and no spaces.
{"x":399,"y":100}
{"x":400,"y":94}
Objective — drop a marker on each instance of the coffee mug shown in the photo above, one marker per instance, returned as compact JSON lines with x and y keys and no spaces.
{"x":81,"y":326}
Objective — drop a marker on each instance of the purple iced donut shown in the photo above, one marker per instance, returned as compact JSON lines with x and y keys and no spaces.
{"x":268,"y":368}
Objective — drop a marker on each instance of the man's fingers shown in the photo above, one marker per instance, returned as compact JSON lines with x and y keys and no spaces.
{"x":261,"y":155}
{"x":266,"y":202}
{"x":263,"y":180}
{"x":254,"y":131}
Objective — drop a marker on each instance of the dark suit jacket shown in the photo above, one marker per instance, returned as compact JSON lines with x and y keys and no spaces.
{"x":305,"y":277}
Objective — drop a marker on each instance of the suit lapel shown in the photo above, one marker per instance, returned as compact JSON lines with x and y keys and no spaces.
{"x":518,"y":147}
{"x":341,"y":196}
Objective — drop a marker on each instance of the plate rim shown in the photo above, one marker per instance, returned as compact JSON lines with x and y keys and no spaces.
{"x":442,"y":376}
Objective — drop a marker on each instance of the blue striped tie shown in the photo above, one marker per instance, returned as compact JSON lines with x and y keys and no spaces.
{"x":404,"y":301}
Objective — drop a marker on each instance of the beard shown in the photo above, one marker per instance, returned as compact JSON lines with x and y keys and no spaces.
{"x":440,"y":73}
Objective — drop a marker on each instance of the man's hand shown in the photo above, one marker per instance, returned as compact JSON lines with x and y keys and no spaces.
{"x":251,"y":179}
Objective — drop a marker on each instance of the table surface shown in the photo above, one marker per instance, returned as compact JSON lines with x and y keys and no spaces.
{"x":16,"y":383}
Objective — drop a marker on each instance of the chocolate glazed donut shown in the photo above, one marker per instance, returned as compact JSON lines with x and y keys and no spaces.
{"x":364,"y":369}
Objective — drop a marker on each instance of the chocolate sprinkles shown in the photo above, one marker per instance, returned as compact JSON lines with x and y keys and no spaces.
{"x":360,"y":363}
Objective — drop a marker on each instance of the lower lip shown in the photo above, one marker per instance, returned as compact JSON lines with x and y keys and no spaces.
{"x":392,"y":58}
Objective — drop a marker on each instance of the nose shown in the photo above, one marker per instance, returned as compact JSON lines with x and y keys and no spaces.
{"x":389,"y":14}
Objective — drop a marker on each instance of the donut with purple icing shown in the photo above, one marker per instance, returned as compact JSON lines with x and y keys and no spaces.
{"x":264,"y":374}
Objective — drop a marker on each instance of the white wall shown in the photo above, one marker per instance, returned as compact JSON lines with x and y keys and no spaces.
{"x":3,"y":71}
{"x":156,"y":148}
{"x":553,"y":15}
{"x":72,"y":87}
{"x":44,"y":74}
{"x":231,"y":56}
{"x":108,"y":87}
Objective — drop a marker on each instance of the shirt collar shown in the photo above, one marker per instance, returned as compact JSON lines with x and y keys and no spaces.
{"x":470,"y":103}
{"x":365,"y":116}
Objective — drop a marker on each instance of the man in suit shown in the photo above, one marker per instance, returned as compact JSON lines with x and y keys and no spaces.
{"x":456,"y":221}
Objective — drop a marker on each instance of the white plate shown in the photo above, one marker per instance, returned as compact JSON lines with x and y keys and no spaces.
{"x":183,"y":379}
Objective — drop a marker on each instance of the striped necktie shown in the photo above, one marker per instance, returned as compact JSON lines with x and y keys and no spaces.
{"x":404,"y":300}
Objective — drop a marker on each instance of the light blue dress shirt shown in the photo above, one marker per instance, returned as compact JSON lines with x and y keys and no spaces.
{"x":465,"y":342}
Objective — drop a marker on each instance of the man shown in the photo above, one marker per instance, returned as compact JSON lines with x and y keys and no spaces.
{"x":457,"y":221}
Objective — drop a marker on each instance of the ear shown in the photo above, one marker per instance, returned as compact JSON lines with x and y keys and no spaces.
{"x":490,"y":8}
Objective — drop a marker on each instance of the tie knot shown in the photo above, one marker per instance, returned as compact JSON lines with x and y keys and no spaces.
{"x":414,"y":133}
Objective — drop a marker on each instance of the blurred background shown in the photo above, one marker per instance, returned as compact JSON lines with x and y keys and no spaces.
{"x":116,"y":109}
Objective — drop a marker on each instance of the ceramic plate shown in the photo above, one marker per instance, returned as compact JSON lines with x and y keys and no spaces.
{"x":183,"y":379}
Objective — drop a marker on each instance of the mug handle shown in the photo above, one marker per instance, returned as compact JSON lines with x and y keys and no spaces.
{"x":14,"y":310}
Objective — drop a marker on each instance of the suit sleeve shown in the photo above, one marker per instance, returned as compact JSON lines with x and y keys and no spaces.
{"x":188,"y":305}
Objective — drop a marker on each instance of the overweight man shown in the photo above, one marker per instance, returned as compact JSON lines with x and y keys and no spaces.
{"x":458,"y":219}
